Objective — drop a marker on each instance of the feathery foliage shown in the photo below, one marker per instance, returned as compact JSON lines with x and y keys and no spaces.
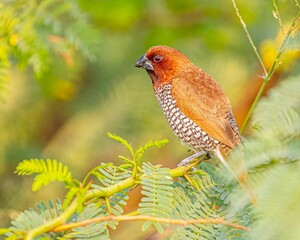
{"x":91,"y":231}
{"x":35,"y":32}
{"x":137,"y":155}
{"x":158,"y":191}
{"x":33,"y":218}
{"x":113,"y":204}
{"x":47,"y":171}
{"x":210,"y":200}
{"x":271,"y":155}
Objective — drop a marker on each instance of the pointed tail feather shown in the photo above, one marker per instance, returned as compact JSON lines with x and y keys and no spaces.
{"x":241,"y":176}
{"x":244,"y":181}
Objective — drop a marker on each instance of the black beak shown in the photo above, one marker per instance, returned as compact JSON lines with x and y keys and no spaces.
{"x":144,"y":63}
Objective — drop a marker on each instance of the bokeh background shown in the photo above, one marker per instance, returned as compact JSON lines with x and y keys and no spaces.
{"x":65,"y":112}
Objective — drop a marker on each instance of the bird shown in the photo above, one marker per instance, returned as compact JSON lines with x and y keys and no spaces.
{"x":195,"y":106}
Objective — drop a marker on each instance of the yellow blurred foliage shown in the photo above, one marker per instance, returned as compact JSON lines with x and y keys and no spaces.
{"x":64,"y":90}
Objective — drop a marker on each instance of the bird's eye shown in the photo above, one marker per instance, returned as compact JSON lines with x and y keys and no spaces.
{"x":157,"y":58}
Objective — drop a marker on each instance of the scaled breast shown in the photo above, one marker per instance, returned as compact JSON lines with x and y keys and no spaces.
{"x":187,"y":131}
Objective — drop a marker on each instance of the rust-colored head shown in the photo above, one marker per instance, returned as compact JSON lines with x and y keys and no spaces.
{"x":163,"y":63}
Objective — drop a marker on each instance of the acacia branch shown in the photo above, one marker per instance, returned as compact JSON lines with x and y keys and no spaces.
{"x":151,"y":219}
{"x":97,"y":193}
{"x":59,"y":224}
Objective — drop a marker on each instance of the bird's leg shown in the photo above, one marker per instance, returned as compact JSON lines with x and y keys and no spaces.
{"x":187,"y":161}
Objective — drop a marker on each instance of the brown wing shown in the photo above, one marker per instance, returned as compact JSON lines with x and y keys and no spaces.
{"x":201,"y":99}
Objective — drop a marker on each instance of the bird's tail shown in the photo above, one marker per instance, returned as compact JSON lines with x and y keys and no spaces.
{"x":241,"y":174}
{"x":243,"y":179}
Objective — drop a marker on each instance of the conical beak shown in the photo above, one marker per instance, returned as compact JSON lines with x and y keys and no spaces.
{"x":144,"y":63}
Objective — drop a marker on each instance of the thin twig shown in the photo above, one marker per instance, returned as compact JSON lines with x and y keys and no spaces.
{"x":149,"y":218}
{"x":274,"y":66}
{"x":293,"y":26}
{"x":276,"y":14}
{"x":249,"y":37}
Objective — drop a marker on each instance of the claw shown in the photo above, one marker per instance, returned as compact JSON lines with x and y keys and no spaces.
{"x":187,"y":161}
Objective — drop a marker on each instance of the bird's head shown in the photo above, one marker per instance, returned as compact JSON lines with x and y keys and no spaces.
{"x":162,"y":64}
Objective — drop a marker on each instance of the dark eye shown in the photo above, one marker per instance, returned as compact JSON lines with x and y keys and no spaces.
{"x":157,"y":58}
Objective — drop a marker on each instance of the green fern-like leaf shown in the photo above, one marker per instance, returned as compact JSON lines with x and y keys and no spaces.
{"x":113,"y":175}
{"x":190,"y":203}
{"x":69,"y":197}
{"x":27,"y":220}
{"x":273,"y":157}
{"x":158,"y":192}
{"x":210,"y":200}
{"x":138,"y":154}
{"x":122,"y":141}
{"x":32,"y":218}
{"x":37,"y":33}
{"x":277,"y":140}
{"x":92,"y":231}
{"x":50,"y":210}
{"x":47,"y":171}
{"x":281,"y":108}
{"x":156,"y":144}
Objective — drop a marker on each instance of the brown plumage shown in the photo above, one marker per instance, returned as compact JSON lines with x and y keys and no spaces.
{"x":194,"y":104}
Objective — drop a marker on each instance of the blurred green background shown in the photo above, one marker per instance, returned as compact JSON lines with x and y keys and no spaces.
{"x":65,"y":112}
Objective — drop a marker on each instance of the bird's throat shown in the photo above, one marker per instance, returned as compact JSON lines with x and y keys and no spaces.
{"x":153,"y":76}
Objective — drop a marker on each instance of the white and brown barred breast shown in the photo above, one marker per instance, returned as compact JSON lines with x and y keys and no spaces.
{"x":186,"y":130}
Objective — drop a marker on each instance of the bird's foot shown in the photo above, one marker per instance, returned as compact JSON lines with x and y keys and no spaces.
{"x":187,"y":161}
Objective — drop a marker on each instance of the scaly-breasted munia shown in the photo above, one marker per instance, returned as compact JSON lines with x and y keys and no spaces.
{"x":194,"y":104}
